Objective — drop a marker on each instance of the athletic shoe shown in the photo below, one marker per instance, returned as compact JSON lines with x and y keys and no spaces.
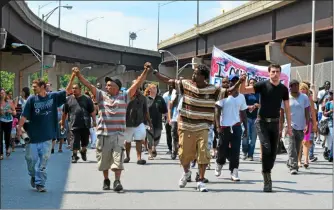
{"x":293,"y":172}
{"x":118,"y":186}
{"x":218,"y":170}
{"x":201,"y":187}
{"x":184,"y":178}
{"x":40,"y":188}
{"x":32,"y":182}
{"x":106,"y":184}
{"x":235,"y":175}
{"x":83,"y":155}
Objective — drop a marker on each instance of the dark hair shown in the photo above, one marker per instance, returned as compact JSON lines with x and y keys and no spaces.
{"x":251,"y":80}
{"x":274,"y":65}
{"x":204,"y":70}
{"x":78,"y":84}
{"x":39,"y":82}
{"x":327,"y":82}
{"x":26,"y":92}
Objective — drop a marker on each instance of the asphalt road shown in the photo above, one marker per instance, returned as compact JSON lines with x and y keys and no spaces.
{"x":155,"y":185}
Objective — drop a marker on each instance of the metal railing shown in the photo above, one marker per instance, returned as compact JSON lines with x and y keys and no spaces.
{"x":322,"y":72}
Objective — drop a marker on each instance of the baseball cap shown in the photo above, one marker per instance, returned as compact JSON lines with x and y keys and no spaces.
{"x":117,"y":81}
{"x":233,"y":76}
{"x":293,"y":82}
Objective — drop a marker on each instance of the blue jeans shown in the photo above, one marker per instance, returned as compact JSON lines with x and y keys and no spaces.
{"x":311,"y":153}
{"x":248,"y":144}
{"x":210,"y":138}
{"x":38,"y":152}
{"x":331,"y":142}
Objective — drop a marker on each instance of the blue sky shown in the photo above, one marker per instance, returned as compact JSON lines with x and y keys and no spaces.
{"x":121,"y":17}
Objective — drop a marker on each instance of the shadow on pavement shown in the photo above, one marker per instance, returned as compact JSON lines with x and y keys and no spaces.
{"x":16,"y":192}
{"x":125,"y":191}
{"x":282,"y":190}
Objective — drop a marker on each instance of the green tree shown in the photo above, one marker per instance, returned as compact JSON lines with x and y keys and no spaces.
{"x":7,"y":80}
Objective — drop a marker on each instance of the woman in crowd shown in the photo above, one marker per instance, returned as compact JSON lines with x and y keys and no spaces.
{"x":157,"y":107}
{"x":7,"y":111}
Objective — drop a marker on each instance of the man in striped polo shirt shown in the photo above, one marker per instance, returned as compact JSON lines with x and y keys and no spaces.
{"x":195,"y":117}
{"x":111,"y":124}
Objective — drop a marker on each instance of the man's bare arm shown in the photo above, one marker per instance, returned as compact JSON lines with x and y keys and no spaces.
{"x":281,"y":120}
{"x":218,"y":110}
{"x":132,"y":90}
{"x":164,"y":78}
{"x":69,"y":86}
{"x":246,"y":90}
{"x":85,"y":82}
{"x":288,"y":116}
{"x":63,"y":118}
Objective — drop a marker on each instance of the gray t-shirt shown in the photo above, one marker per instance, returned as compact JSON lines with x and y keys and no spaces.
{"x":297,"y":108}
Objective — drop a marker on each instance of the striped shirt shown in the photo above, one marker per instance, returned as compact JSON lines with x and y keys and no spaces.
{"x":112,"y":112}
{"x":198,"y":105}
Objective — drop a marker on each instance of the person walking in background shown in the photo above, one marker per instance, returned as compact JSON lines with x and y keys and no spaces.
{"x":7,"y":111}
{"x":157,"y":107}
{"x":248,"y":144}
{"x":328,"y":112}
{"x":168,"y":128}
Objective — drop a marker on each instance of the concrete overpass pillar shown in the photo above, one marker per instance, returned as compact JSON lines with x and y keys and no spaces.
{"x":53,"y":79}
{"x":296,"y":55}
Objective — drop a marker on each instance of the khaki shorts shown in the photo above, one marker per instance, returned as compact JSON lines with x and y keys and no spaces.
{"x":110,"y":152}
{"x":194,"y":145}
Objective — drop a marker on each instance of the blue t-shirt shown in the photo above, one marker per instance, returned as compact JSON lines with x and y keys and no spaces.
{"x":252,"y":99}
{"x":329,"y":106}
{"x":43,"y":116}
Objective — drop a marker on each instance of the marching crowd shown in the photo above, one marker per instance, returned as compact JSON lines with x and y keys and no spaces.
{"x":202,"y":121}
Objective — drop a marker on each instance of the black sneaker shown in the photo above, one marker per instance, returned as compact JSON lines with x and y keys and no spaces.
{"x":32,"y":182}
{"x":126,"y":160}
{"x":40,"y":188}
{"x":169,"y":152}
{"x":106,"y":184}
{"x":189,"y":179}
{"x":141,"y":162}
{"x":83,"y":155}
{"x":197,"y":178}
{"x":118,"y":186}
{"x":52,"y":151}
{"x":75,"y":159}
{"x":313,"y":159}
{"x":173,"y":155}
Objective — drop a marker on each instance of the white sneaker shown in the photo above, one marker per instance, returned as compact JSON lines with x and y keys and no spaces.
{"x":208,"y":167}
{"x":235,"y":175}
{"x":218,"y":170}
{"x":183,"y":180}
{"x":201,"y":187}
{"x":293,"y":172}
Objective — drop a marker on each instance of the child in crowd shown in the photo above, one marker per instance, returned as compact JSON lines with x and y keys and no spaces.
{"x":13,"y":133}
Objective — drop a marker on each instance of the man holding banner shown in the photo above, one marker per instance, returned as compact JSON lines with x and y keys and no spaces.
{"x":272,"y":92}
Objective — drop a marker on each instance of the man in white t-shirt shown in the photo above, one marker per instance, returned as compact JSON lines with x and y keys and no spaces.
{"x":167,"y":97}
{"x":322,"y":95}
{"x":227,"y":115}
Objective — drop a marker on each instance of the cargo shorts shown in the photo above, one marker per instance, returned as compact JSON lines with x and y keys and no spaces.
{"x":194,"y":145}
{"x":110,"y":152}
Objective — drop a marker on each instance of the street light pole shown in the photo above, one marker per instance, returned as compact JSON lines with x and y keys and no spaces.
{"x":158,"y":24}
{"x":313,"y":42}
{"x":40,"y":7}
{"x":175,"y":59}
{"x":197,"y":13}
{"x":88,"y":21}
{"x":45,"y":18}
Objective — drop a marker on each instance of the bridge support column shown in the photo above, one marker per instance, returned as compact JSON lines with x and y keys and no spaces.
{"x":296,"y":55}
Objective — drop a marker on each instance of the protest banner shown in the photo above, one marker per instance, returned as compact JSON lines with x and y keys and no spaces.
{"x":223,"y":65}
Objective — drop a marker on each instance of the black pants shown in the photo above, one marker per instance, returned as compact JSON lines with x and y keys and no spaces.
{"x":80,"y":136}
{"x":225,"y":138}
{"x":169,"y":136}
{"x":5,"y":130}
{"x":268,"y":134}
{"x":175,"y":136}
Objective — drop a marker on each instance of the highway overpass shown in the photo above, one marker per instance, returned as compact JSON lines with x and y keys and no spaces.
{"x":23,"y":26}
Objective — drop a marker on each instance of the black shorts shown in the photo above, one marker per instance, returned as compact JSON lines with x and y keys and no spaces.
{"x":80,"y":136}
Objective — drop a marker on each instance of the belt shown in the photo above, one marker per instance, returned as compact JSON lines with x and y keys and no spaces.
{"x":239,"y":123}
{"x":268,"y":120}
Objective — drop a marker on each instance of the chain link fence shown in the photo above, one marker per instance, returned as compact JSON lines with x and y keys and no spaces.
{"x":322,"y":72}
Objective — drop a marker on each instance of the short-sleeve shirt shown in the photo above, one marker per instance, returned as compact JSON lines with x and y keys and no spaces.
{"x":43,"y":116}
{"x":175,"y":111}
{"x":328,"y":107}
{"x":136,"y":111}
{"x":231,"y":107}
{"x":80,"y":110}
{"x":322,"y":94}
{"x":198,"y":105}
{"x":297,"y":109}
{"x":271,"y":97}
{"x":252,"y":99}
{"x":112,"y":112}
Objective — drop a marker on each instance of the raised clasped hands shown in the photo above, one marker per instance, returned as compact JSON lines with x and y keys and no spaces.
{"x":76,"y":71}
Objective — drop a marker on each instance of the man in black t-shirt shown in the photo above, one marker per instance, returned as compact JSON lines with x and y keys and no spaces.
{"x":81,"y":110}
{"x":272,"y":92}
